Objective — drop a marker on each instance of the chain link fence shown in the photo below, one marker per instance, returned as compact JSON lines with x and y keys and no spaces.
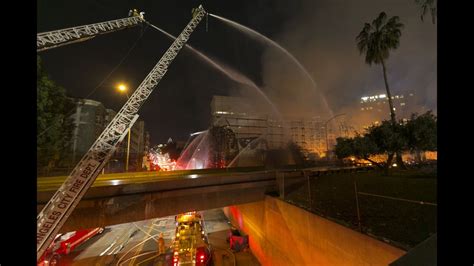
{"x":400,"y":209}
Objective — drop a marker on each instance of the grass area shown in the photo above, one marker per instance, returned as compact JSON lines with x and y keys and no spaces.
{"x":405,"y":224}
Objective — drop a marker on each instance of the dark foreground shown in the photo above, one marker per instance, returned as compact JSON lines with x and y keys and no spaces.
{"x":405,"y":215}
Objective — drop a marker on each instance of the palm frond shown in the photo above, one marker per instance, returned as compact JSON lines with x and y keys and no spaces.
{"x":380,"y":20}
{"x":376,"y":39}
{"x":425,"y":6}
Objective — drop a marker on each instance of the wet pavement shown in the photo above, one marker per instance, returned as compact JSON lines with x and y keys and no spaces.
{"x":137,"y":243}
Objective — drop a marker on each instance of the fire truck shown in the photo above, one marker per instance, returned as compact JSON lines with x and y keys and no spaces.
{"x":64,"y":244}
{"x":190,"y":245}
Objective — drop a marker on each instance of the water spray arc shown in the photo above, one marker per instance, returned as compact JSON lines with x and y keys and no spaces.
{"x":226,"y":70}
{"x":245,"y":149}
{"x":273,"y":43}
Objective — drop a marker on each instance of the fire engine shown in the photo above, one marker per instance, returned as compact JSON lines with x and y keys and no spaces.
{"x":190,"y":246}
{"x":64,"y":244}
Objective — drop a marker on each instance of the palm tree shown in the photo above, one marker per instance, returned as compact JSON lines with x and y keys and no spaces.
{"x":427,"y":5}
{"x":375,"y":41}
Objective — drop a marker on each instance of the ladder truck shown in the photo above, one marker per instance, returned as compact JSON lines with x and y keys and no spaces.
{"x":60,"y":206}
{"x":56,"y":38}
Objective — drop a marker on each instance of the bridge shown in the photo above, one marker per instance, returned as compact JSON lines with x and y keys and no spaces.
{"x":128,"y":197}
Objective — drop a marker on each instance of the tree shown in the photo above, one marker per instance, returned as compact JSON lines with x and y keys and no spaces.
{"x":420,"y":132}
{"x":389,"y":139}
{"x":344,"y":147}
{"x":375,"y":41}
{"x":380,"y":139}
{"x":223,"y":145}
{"x":54,"y":128}
{"x":297,"y":153}
{"x":362,"y":147}
{"x":428,"y":5}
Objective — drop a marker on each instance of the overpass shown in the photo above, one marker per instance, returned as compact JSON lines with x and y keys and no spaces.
{"x":127,"y":197}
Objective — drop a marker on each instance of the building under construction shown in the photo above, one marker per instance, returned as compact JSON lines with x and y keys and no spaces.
{"x":249,"y":124}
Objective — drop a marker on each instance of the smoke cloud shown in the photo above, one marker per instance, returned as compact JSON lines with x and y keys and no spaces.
{"x":322,"y":37}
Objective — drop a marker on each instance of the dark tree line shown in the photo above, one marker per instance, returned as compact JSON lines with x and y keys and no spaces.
{"x":54,"y":127}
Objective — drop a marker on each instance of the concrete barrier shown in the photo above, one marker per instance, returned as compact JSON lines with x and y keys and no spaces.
{"x":283,"y":234}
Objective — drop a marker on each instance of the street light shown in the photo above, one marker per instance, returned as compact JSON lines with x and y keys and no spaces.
{"x":123,"y":89}
{"x":326,"y":128}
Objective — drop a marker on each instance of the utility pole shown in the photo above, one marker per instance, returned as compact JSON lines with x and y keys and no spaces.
{"x":128,"y":151}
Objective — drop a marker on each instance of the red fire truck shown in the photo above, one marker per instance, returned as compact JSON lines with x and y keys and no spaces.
{"x":64,"y":244}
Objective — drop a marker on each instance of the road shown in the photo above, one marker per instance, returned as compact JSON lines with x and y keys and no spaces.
{"x":122,"y":244}
{"x":136,"y":243}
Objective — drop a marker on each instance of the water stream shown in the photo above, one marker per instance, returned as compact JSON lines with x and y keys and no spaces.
{"x":267,"y":40}
{"x":227,"y":71}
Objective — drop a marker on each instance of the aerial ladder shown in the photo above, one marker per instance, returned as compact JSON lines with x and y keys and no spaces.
{"x":60,"y":206}
{"x":56,"y":38}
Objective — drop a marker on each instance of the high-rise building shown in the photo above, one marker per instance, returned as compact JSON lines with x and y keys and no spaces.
{"x":378,"y":108}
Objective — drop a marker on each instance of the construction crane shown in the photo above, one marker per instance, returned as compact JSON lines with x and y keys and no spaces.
{"x":60,"y":206}
{"x":56,"y":38}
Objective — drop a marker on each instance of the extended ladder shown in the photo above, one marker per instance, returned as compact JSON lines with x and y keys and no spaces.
{"x":55,"y":38}
{"x":61,"y":205}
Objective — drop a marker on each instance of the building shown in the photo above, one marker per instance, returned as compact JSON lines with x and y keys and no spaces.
{"x":90,"y":119}
{"x":248,"y":124}
{"x":137,"y":145}
{"x":245,"y":122}
{"x":309,"y":134}
{"x":378,"y":108}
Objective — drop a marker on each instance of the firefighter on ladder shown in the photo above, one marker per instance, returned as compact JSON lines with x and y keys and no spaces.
{"x":194,"y":12}
{"x":134,"y":13}
{"x":161,"y":245}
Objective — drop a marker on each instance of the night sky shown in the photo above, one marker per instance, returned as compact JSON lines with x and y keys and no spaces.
{"x":319,"y":33}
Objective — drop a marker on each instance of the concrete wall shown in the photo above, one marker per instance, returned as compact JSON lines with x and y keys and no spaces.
{"x":283,"y":234}
{"x":105,"y":211}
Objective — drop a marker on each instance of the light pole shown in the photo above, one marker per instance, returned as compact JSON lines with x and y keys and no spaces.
{"x":326,"y":128}
{"x":123,"y":88}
